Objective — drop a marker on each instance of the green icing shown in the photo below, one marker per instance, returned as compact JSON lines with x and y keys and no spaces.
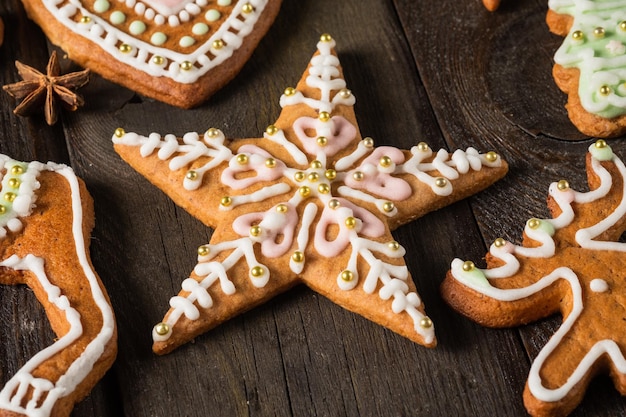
{"x":117,"y":17}
{"x":600,"y":59}
{"x":137,"y":27}
{"x":545,"y":227}
{"x":604,"y":153}
{"x":475,"y":276}
{"x":158,"y":38}
{"x":101,"y":6}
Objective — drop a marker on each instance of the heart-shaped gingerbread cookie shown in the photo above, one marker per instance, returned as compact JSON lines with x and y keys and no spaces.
{"x":176,"y":51}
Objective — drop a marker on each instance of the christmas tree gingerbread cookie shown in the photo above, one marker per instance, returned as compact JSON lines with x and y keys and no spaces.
{"x":309,"y":202}
{"x":176,"y":51}
{"x":572,"y":263}
{"x":590,"y":65}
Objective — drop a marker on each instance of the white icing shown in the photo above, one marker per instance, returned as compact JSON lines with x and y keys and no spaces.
{"x":19,"y":386}
{"x":543,"y":234}
{"x":235,"y":28}
{"x":308,"y":181}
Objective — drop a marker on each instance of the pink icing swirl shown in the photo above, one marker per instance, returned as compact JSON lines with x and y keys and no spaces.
{"x":338,"y":131}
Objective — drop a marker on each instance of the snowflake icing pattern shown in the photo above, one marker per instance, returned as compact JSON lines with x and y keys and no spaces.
{"x":325,"y":194}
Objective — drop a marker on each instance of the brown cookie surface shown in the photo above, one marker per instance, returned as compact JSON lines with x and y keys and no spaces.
{"x":179,"y":51}
{"x":569,"y":264}
{"x":45,"y":223}
{"x":311,"y":202}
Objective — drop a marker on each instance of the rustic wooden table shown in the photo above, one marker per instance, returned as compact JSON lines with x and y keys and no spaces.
{"x":446,"y":72}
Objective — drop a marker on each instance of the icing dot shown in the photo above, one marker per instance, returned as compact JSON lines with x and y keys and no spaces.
{"x":212,"y":15}
{"x":598,"y":285}
{"x":200,"y":29}
{"x":137,"y":27}
{"x":158,"y":38}
{"x":224,"y":2}
{"x":101,"y":6}
{"x":186,"y":41}
{"x":117,"y":17}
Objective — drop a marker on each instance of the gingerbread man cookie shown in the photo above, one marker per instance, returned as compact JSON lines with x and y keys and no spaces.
{"x":46,"y":216}
{"x":176,"y":51}
{"x":310,"y":202}
{"x":590,"y":65}
{"x":572,"y":264}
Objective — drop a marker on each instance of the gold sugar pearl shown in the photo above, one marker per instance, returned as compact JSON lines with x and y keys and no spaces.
{"x":562,"y":185}
{"x":322,"y":141}
{"x":468,"y":266}
{"x":347,"y":276}
{"x":14,"y":183}
{"x":534,"y":223}
{"x":19,"y":170}
{"x":85,"y":19}
{"x":242,"y":159}
{"x":334,"y":203}
{"x":186,"y":65}
{"x":385,"y":162}
{"x":226,"y":201}
{"x":330,"y":174}
{"x":299,"y":176}
{"x":426,"y":323}
{"x":491,"y":156}
{"x":323,"y":188}
{"x":422,"y":147}
{"x":298,"y":256}
{"x":350,"y":222}
{"x":599,"y":32}
{"x":158,"y":60}
{"x":324,"y":116}
{"x":162,"y":329}
{"x":255,"y":231}
{"x":578,"y":35}
{"x":289,"y":91}
{"x":247,"y":8}
{"x":282,"y":208}
{"x":212,"y":132}
{"x":119,"y":132}
{"x":499,"y":242}
{"x":388,"y":207}
{"x":393,"y":245}
{"x":314,"y":177}
{"x":3,"y":209}
{"x":203,"y":250}
{"x":304,"y":191}
{"x":271,"y":130}
{"x":316,"y":164}
{"x":622,"y":25}
{"x":191,"y":175}
{"x":218,"y":44}
{"x":600,"y":144}
{"x":441,"y":182}
{"x":9,"y":197}
{"x":368,"y":142}
{"x":270,"y":163}
{"x":358,"y":176}
{"x":257,"y":271}
{"x":605,"y":90}
{"x":345,"y":93}
{"x":326,"y":38}
{"x":125,"y":48}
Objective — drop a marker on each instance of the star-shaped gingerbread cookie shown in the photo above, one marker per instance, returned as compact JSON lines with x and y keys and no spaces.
{"x":572,"y":263}
{"x":310,"y":202}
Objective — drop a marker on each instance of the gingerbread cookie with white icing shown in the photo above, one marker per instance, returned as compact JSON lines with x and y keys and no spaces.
{"x":46,"y":216}
{"x":590,"y":64}
{"x":572,"y":263}
{"x":176,"y":51}
{"x":309,"y":202}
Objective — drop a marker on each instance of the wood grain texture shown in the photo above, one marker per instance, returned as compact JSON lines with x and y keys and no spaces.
{"x":446,"y":72}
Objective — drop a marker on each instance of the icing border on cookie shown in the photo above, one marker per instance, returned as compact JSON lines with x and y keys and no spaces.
{"x":542,"y":230}
{"x":11,"y":395}
{"x":184,"y":68}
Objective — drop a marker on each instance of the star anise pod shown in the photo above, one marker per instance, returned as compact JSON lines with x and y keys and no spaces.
{"x":47,"y":89}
